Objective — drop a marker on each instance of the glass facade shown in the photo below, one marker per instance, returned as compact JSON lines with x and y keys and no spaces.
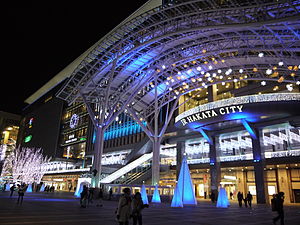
{"x":74,"y":131}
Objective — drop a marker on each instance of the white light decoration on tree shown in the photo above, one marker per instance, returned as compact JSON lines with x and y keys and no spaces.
{"x":25,"y":165}
{"x":2,"y":152}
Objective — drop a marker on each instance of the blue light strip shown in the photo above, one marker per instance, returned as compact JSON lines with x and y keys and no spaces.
{"x":249,"y":128}
{"x":205,"y":135}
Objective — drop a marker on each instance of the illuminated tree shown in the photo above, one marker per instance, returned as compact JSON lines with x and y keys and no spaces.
{"x":26,"y":165}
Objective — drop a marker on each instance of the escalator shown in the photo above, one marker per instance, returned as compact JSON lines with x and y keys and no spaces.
{"x":127,"y":168}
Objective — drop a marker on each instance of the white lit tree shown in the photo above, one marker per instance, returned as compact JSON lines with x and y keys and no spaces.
{"x":26,"y":165}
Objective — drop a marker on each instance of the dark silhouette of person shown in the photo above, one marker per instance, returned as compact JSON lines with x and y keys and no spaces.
{"x":110,"y":194}
{"x":231,"y":195}
{"x":213,"y":197}
{"x":240,"y":198}
{"x":83,"y":196}
{"x":4,"y":187}
{"x":12,"y":189}
{"x":246,"y":201}
{"x":21,"y":191}
{"x":249,"y":199}
{"x":279,"y":208}
{"x":100,"y":197}
{"x":90,"y":195}
{"x":137,"y":207}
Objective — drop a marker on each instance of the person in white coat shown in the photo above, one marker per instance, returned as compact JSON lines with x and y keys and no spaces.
{"x":124,"y":208}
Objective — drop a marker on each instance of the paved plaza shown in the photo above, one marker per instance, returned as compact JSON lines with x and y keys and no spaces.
{"x":63,"y":208}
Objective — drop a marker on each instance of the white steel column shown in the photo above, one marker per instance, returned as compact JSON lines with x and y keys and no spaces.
{"x":156,"y":141}
{"x":98,"y":149}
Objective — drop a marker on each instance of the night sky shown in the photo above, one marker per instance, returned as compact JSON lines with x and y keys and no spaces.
{"x":40,"y":38}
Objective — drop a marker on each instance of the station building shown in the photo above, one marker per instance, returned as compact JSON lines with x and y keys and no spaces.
{"x":223,"y":92}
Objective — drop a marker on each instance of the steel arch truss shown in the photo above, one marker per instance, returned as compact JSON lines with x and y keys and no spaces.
{"x":149,"y":52}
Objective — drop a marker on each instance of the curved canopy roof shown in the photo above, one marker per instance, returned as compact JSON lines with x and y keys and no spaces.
{"x":155,"y":57}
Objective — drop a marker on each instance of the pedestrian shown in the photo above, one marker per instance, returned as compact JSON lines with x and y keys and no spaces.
{"x":21,"y":191}
{"x":100,"y":198}
{"x":137,"y":207}
{"x":240,"y":198}
{"x":83,"y":196}
{"x":279,"y":208}
{"x":212,"y":197}
{"x":246,"y":201}
{"x":231,"y":195}
{"x":124,"y":208}
{"x":12,"y":189}
{"x":249,"y":199}
{"x":90,"y":195}
{"x":4,"y":187}
{"x":110,"y":194}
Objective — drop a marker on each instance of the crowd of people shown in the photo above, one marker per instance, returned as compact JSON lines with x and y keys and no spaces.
{"x":247,"y":199}
{"x":128,"y":207}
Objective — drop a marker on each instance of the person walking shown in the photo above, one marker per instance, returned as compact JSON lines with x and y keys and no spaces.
{"x":90,"y":195}
{"x":12,"y":189}
{"x":4,"y":187}
{"x":83,"y":196}
{"x":249,"y":199}
{"x":100,"y":197}
{"x":110,"y":194}
{"x":213,"y":197}
{"x":124,"y":208}
{"x":278,"y":201}
{"x":246,"y":201}
{"x":21,"y":191}
{"x":137,"y":207}
{"x":240,"y":198}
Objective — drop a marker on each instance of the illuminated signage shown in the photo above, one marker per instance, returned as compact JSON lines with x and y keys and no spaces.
{"x":28,"y":138}
{"x":30,"y":122}
{"x":250,"y":107}
{"x":74,"y":121}
{"x":212,"y":113}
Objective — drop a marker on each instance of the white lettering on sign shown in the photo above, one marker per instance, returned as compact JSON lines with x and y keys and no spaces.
{"x":212,"y":113}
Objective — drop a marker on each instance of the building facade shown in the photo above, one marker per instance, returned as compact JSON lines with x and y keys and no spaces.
{"x":179,"y":79}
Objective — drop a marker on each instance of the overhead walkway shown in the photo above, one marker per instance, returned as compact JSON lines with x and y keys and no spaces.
{"x":117,"y":174}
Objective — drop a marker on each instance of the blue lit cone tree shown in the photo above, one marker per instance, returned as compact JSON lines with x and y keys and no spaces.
{"x":177,"y":198}
{"x":156,"y":196}
{"x":222,"y":201}
{"x":144,"y":195}
{"x":42,"y":187}
{"x":29,"y":188}
{"x":184,"y":189}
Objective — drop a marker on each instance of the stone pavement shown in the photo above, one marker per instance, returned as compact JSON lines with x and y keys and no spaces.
{"x":63,"y":208}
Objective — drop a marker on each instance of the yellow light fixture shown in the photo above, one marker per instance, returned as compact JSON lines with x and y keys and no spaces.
{"x":281,"y":79}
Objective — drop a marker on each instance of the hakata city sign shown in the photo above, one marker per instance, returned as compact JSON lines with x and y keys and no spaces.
{"x":254,"y":106}
{"x":211,"y":113}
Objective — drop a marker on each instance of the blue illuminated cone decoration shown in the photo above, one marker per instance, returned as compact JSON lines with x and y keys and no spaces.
{"x":29,"y":188}
{"x":177,"y":198}
{"x":42,"y":188}
{"x":185,"y":185}
{"x":144,"y":195}
{"x":222,"y":199}
{"x":156,"y":196}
